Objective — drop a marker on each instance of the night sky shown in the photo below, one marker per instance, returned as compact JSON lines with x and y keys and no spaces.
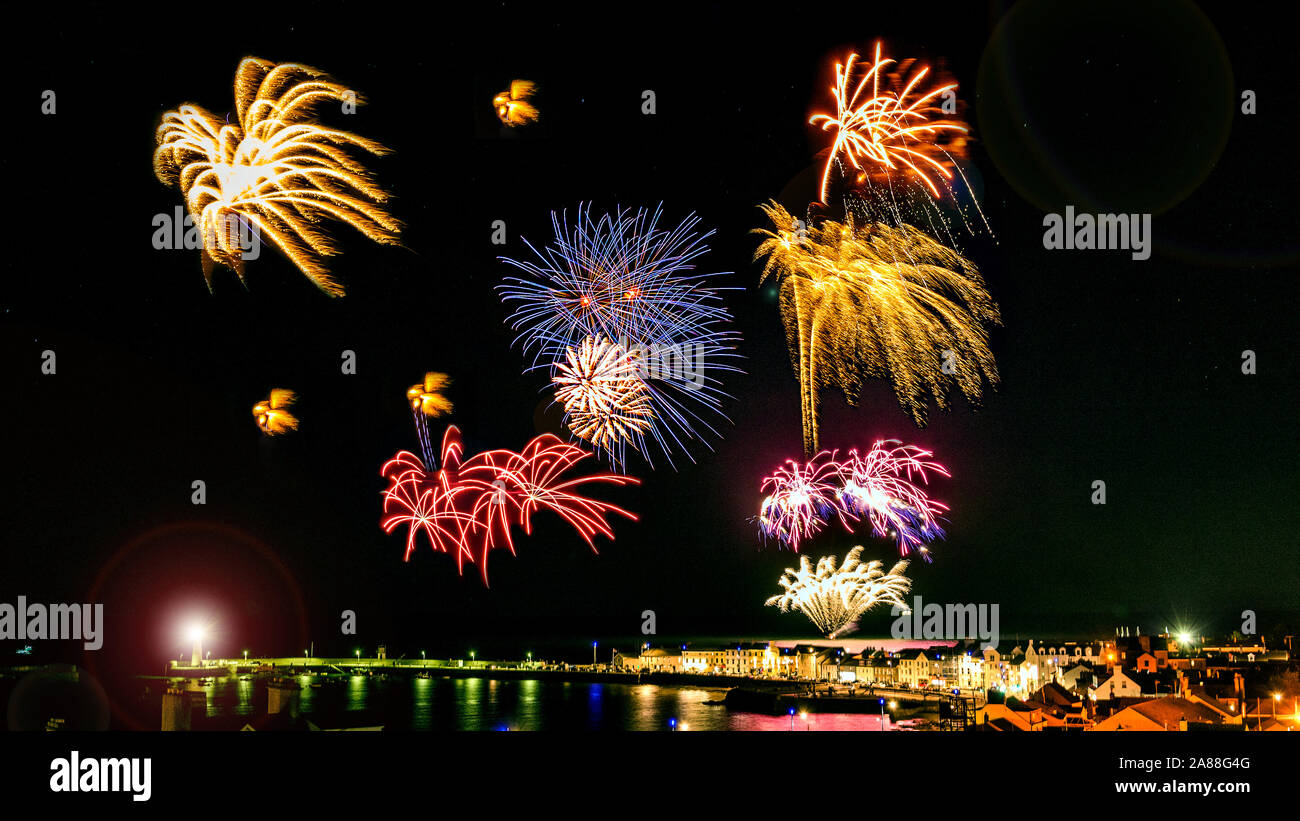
{"x":1113,"y":369}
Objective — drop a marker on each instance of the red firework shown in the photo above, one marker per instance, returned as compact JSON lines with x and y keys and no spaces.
{"x":468,"y":506}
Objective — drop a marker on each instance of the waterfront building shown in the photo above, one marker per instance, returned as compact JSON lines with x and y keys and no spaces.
{"x":652,"y":660}
{"x":919,"y":668}
{"x":1052,"y":659}
{"x":759,"y":659}
{"x":1081,"y":678}
{"x":962,"y":669}
{"x":1119,"y":685}
{"x":1168,"y":714}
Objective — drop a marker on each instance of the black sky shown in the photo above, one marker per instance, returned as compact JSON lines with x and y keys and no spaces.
{"x":1112,"y":369}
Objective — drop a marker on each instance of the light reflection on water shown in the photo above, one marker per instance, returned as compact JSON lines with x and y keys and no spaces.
{"x":402,"y":703}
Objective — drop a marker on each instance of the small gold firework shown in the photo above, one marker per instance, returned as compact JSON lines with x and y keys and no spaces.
{"x":603,"y":395}
{"x":834,"y":597}
{"x":513,"y":107}
{"x":272,"y":415}
{"x":274,"y":173}
{"x":427,"y":397}
{"x":875,"y":301}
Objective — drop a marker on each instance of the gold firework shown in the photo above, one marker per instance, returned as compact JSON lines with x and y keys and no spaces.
{"x":887,"y":132}
{"x":875,"y":301}
{"x":513,"y":107}
{"x":275,"y":172}
{"x":834,"y":597}
{"x":427,"y":396}
{"x":272,"y":415}
{"x":603,"y":395}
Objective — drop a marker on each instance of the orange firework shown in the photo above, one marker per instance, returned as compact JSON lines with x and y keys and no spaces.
{"x":888,"y":133}
{"x":513,"y":106}
{"x":272,"y":415}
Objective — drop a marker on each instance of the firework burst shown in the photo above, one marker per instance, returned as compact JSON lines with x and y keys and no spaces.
{"x":621,"y":277}
{"x":468,"y":506}
{"x":272,"y":414}
{"x":275,"y":171}
{"x":875,"y":301}
{"x":604,"y":398}
{"x":800,"y":499}
{"x":834,"y":597}
{"x":900,"y":130}
{"x":877,"y":485}
{"x":428,"y":401}
{"x":513,"y":106}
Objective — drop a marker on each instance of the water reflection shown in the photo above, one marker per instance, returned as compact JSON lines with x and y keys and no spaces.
{"x":410,"y":703}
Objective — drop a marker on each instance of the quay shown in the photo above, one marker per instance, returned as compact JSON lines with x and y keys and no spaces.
{"x":446,"y":668}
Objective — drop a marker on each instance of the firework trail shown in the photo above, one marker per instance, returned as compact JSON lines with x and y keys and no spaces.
{"x":834,"y":597}
{"x":272,"y":414}
{"x":874,"y":301}
{"x":469,"y":505}
{"x":622,"y":278}
{"x":275,"y":171}
{"x":428,"y":402}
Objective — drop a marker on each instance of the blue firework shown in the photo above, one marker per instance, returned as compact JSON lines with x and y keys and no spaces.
{"x":622,"y":277}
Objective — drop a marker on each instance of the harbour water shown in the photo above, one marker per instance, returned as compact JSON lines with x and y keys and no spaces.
{"x":482,"y":704}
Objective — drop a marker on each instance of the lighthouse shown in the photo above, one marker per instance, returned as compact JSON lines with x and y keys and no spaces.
{"x":196,"y":636}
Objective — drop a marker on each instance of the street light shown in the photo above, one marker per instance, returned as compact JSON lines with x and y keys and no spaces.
{"x":593,"y":655}
{"x":882,"y":714}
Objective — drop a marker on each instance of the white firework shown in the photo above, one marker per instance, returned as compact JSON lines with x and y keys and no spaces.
{"x":833,"y":598}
